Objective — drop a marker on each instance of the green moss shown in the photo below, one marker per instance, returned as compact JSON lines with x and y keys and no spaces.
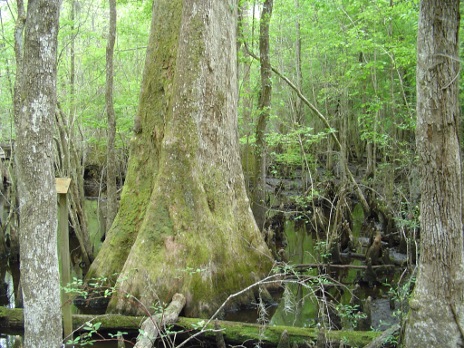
{"x":144,"y":158}
{"x":11,"y":317}
{"x":177,"y":215}
{"x":174,"y":240}
{"x":233,"y":331}
{"x":358,"y":218}
{"x":237,"y":333}
{"x":92,"y":214}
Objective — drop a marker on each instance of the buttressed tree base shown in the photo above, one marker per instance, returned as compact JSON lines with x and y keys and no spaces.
{"x":185,"y":223}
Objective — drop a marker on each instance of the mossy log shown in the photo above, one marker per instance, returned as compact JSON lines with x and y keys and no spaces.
{"x":234,"y":332}
{"x":11,"y":320}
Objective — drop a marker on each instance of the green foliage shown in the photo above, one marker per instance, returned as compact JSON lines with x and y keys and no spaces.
{"x":408,"y":217}
{"x":7,"y":72}
{"x":95,"y":286}
{"x":350,"y":314}
{"x":117,"y":335}
{"x":86,"y":338}
{"x":323,"y":250}
{"x":357,"y":67}
{"x":401,"y":294}
{"x":293,"y":149}
{"x":87,"y":32}
{"x":76,"y":287}
{"x":191,"y":270}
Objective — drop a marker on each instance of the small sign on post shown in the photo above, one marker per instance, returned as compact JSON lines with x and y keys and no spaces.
{"x":62,"y":187}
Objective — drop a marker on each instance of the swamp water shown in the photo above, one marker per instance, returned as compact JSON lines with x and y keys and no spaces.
{"x":14,"y":340}
{"x":302,"y":305}
{"x":298,"y":305}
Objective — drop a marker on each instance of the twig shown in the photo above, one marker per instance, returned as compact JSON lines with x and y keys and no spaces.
{"x":324,"y":120}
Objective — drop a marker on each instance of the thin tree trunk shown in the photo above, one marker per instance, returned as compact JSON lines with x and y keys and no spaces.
{"x":246,"y":99}
{"x":111,"y":195}
{"x":76,"y":163}
{"x":70,"y":160}
{"x":324,"y":120}
{"x":298,"y":105}
{"x":298,"y":70}
{"x":70,"y":168}
{"x":18,"y":48}
{"x":72,"y":75}
{"x":259,"y":185}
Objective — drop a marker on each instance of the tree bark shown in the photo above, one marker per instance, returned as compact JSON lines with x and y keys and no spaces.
{"x":436,"y":311}
{"x":35,"y":104}
{"x":298,"y":70}
{"x":111,"y":196}
{"x":246,"y":100}
{"x":259,"y":184}
{"x":185,"y":223}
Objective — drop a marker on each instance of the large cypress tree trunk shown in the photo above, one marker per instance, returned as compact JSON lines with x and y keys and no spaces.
{"x":436,"y":317}
{"x":35,"y":103}
{"x":185,"y":224}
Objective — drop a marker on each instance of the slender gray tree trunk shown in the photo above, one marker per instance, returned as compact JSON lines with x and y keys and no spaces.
{"x":112,"y":202}
{"x":298,"y":70}
{"x":35,"y":104}
{"x":259,"y":186}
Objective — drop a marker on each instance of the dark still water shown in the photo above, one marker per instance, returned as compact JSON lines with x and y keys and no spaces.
{"x":15,"y":341}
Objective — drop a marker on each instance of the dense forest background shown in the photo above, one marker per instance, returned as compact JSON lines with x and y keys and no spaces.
{"x":353,"y":60}
{"x":81,"y":66}
{"x":326,"y":138}
{"x":341,"y":115}
{"x":341,"y":119}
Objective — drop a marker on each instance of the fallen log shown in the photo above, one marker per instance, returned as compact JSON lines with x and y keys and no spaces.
{"x":246,"y":334}
{"x":305,"y":267}
{"x":11,"y":320}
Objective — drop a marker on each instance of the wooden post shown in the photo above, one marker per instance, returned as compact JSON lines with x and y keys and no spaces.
{"x":62,"y":186}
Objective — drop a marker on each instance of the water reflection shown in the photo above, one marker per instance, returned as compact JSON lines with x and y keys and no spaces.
{"x":298,"y":306}
{"x":9,"y":283}
{"x":16,"y":341}
{"x":10,"y":341}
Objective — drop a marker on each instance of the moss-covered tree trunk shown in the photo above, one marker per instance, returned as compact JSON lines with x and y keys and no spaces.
{"x":436,"y":316}
{"x":185,"y":224}
{"x":264,"y":111}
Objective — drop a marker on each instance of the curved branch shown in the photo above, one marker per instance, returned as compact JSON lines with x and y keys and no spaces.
{"x":324,"y":120}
